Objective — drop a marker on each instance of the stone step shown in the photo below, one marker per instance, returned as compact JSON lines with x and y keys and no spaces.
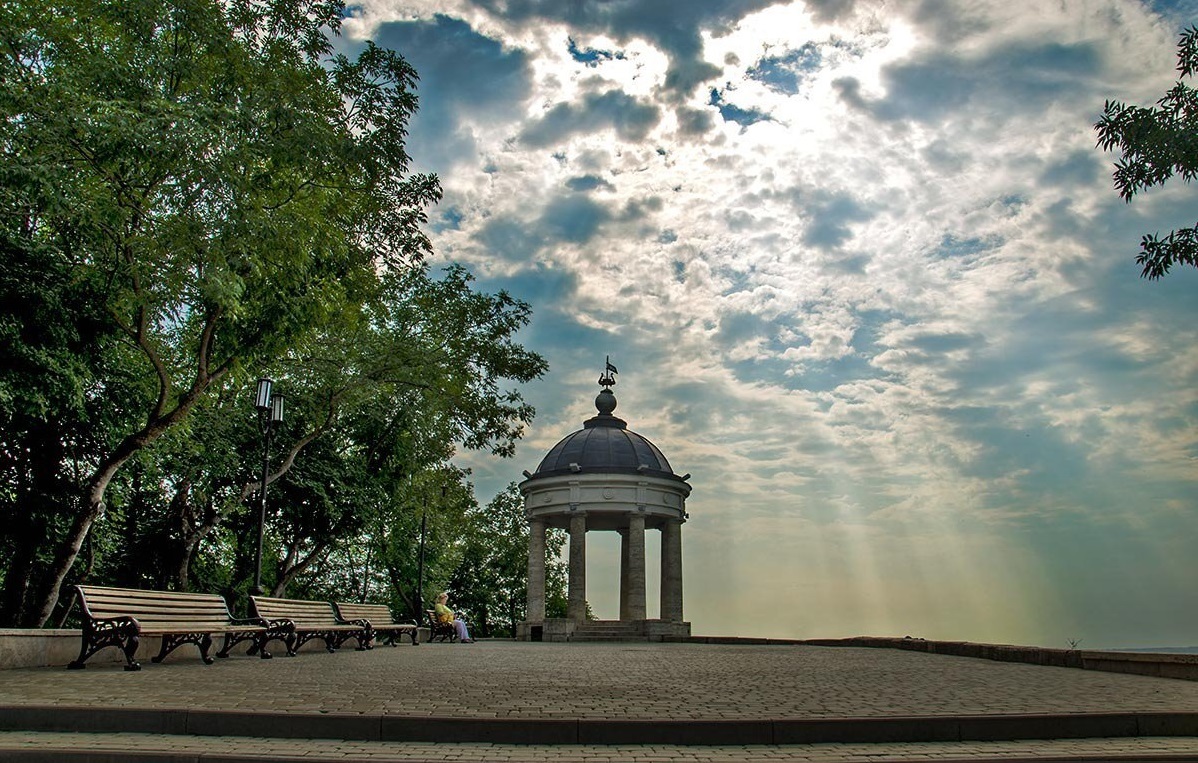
{"x":606,"y":627}
{"x":608,"y":637}
{"x":608,"y":632}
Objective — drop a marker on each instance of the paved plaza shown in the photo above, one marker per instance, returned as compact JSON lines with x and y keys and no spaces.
{"x":691,"y":701}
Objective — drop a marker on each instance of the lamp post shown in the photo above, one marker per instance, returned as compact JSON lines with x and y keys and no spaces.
{"x":420,"y":562}
{"x":420,"y":558}
{"x":270,"y":415}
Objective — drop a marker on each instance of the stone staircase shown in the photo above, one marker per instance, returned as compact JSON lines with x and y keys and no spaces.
{"x":608,"y":630}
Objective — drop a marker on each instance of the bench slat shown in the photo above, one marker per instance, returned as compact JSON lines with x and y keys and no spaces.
{"x":376,"y":613}
{"x":303,"y":613}
{"x":157,"y":630}
{"x":157,"y":610}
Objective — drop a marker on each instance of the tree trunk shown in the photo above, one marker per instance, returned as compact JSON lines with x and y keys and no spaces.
{"x":193,"y":523}
{"x":93,"y":501}
{"x":130,"y":568}
{"x":189,"y":547}
{"x":42,"y":490}
{"x":405,"y":595}
{"x":65,"y":557}
{"x":28,"y":533}
{"x":366,"y":576}
{"x":289,"y":571}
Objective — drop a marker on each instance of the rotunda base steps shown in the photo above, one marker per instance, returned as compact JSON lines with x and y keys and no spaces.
{"x":562,"y":629}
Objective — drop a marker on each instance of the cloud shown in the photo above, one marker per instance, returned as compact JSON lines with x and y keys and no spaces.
{"x":573,"y":219}
{"x":592,"y":56}
{"x":785,"y":73}
{"x":466,"y":79}
{"x":1080,"y":169}
{"x":673,"y":26}
{"x":586,"y":183}
{"x":631,"y":118}
{"x":733,"y":113}
{"x":694,"y":122}
{"x":830,"y":215}
{"x":828,"y":11}
{"x":1008,"y":80}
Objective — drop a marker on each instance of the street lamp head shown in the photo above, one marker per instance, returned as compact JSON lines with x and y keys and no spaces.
{"x":276,"y":409}
{"x":262,"y":399}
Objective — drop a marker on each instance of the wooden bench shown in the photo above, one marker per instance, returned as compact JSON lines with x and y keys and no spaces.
{"x":296,"y":621}
{"x":120,"y":616}
{"x":378,"y":620}
{"x":439,"y":631}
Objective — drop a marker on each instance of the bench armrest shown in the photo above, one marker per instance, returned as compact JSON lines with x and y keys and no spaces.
{"x":249,"y":621}
{"x":111,"y":623}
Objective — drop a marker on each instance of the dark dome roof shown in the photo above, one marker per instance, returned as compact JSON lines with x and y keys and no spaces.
{"x":604,"y":444}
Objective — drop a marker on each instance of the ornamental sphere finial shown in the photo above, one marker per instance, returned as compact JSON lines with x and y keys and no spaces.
{"x":605,"y":402}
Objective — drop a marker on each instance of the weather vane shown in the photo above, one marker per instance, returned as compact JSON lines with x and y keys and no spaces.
{"x":607,"y":380}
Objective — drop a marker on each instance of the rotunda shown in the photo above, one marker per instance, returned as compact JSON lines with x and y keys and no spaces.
{"x":605,"y":477}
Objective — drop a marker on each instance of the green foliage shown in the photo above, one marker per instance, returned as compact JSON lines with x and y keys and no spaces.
{"x":193,"y":193}
{"x":491,"y":583}
{"x":1157,"y":143}
{"x":59,"y":364}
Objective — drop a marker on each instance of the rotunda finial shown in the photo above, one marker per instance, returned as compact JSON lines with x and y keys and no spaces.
{"x":605,"y":401}
{"x":607,"y":380}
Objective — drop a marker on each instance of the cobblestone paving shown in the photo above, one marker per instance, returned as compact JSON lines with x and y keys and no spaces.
{"x":655,"y":681}
{"x":1143,"y":748}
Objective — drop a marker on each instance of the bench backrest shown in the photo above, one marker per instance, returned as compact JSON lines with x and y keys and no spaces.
{"x":305,"y":614}
{"x":377,"y":614}
{"x":156,"y":609}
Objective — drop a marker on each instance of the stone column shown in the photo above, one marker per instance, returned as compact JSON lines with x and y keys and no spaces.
{"x":576,"y":600}
{"x":636,"y":567}
{"x":535,"y":611}
{"x":624,"y":574}
{"x":671,"y":571}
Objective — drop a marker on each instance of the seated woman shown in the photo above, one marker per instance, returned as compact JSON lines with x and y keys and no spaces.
{"x":445,"y":615}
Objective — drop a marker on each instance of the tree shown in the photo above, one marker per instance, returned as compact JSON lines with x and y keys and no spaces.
{"x":47,"y":416}
{"x":491,"y":582}
{"x":1156,"y":144}
{"x":220,"y":180}
{"x":389,"y":396}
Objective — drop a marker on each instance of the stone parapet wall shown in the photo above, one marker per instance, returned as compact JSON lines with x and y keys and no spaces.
{"x":1159,"y":664}
{"x":56,"y":647}
{"x":44,"y":647}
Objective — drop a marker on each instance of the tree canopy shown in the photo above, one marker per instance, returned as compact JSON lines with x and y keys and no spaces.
{"x":1157,"y":143}
{"x":194,"y":193}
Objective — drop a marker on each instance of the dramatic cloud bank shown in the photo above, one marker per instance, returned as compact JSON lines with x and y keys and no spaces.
{"x":864,"y":275}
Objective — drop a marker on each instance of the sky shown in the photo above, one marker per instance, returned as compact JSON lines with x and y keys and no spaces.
{"x":864,"y":275}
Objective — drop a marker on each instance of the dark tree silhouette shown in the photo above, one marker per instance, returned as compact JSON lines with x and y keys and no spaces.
{"x":1157,"y":143}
